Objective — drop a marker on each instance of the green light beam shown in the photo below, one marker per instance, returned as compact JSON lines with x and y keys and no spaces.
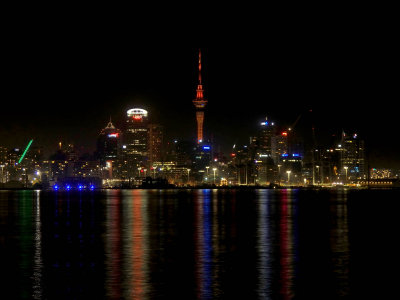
{"x":26,"y":150}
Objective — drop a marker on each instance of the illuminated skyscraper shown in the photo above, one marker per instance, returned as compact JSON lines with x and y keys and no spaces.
{"x":108,"y":148}
{"x":265,"y":135}
{"x":136,"y":141}
{"x":352,"y":157}
{"x":265,"y":168}
{"x":155,"y":144}
{"x":279,"y":146}
{"x":200,"y":104}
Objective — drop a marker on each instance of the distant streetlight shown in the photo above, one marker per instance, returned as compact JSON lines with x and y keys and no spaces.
{"x":188,"y":170}
{"x":214,"y":169}
{"x":318,"y":174}
{"x":38,"y":173}
{"x":346,"y":168}
{"x":288,"y":174}
{"x":279,"y":173}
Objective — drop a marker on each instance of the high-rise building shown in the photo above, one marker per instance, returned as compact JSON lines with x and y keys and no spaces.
{"x":155,"y":144}
{"x":265,"y":170}
{"x":200,"y":104}
{"x":352,"y":157}
{"x":108,"y":149}
{"x":136,"y":142}
{"x":279,"y":146}
{"x":265,"y":135}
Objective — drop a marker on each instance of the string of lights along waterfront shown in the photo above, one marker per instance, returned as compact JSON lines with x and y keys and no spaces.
{"x":136,"y":153}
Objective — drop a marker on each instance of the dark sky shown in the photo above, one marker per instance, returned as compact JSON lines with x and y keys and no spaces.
{"x":64,"y":82}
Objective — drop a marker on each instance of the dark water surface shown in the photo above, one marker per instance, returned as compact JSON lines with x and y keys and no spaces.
{"x":199,"y":244}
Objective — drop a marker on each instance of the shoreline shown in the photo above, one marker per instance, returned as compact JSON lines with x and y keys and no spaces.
{"x":214,"y":188}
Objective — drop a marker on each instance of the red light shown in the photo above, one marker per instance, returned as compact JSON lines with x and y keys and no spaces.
{"x":141,"y":171}
{"x":233,"y":154}
{"x":137,"y":117}
{"x":284,"y":133}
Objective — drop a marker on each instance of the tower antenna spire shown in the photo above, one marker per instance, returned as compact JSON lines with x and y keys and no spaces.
{"x":199,"y":66}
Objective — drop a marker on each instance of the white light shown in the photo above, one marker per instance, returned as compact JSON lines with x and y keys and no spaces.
{"x":136,"y":112}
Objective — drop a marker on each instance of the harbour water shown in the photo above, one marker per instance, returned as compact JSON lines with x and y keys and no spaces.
{"x":199,"y":244}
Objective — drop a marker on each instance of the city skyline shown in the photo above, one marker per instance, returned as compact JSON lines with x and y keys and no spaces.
{"x":242,"y":85}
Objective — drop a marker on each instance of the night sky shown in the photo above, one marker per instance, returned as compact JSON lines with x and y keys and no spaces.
{"x":64,"y":83}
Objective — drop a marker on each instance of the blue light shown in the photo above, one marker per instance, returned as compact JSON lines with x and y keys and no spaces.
{"x":68,"y":187}
{"x":55,"y":187}
{"x":285,"y":155}
{"x":206,"y":147}
{"x":80,"y":187}
{"x":92,"y":187}
{"x":296,"y":155}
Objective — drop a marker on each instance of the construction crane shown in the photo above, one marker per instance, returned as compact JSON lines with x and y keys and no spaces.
{"x":295,"y":122}
{"x":298,"y":119}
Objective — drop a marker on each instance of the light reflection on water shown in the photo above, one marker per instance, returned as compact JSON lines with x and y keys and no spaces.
{"x":37,"y":256}
{"x":187,"y":244}
{"x":339,"y":240}
{"x":203,"y":243}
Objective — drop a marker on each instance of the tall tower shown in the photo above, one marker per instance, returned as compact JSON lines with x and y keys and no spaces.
{"x":200,"y":104}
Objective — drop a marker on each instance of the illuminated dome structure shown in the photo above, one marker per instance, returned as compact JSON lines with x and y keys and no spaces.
{"x":137,"y":114}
